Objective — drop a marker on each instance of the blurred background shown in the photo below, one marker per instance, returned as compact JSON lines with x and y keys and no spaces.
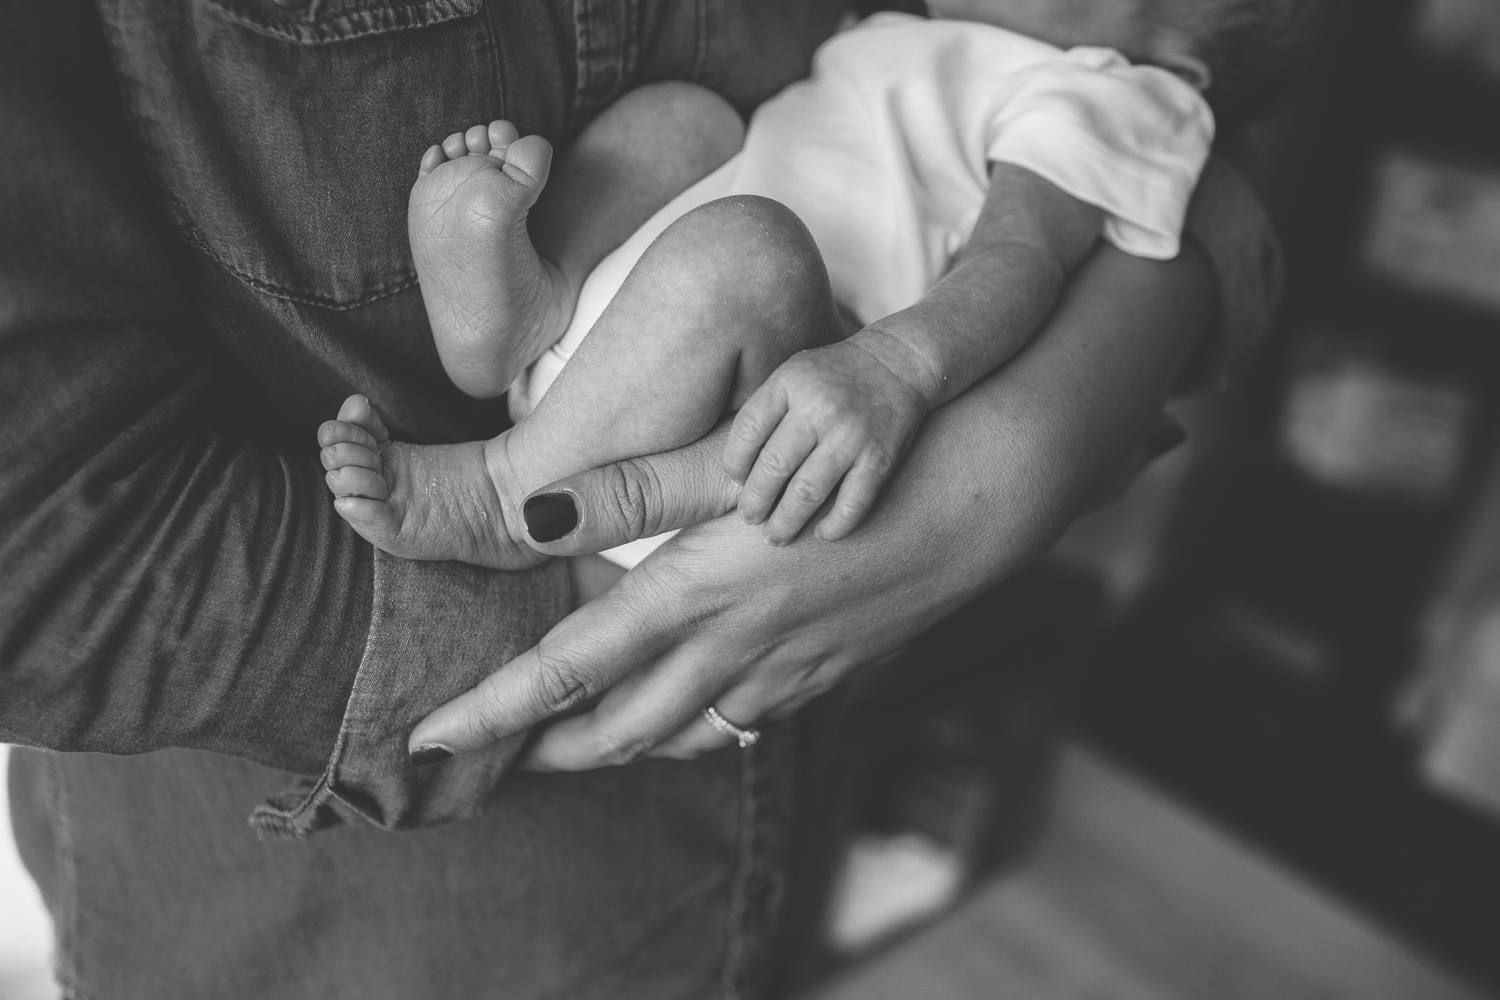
{"x":1239,"y":736}
{"x":1284,"y":642}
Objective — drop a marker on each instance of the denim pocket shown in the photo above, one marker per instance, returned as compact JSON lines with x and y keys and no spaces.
{"x":287,"y":138}
{"x":321,"y":21}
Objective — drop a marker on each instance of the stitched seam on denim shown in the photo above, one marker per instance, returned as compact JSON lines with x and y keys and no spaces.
{"x":65,"y":933}
{"x":348,"y":27}
{"x":600,"y":59}
{"x":182,"y":221}
{"x":580,"y":61}
{"x":498,"y":87}
{"x":630,"y":44}
{"x":738,"y":918}
{"x":115,"y":43}
{"x":377,"y":626}
{"x":700,"y":50}
{"x":583,"y":14}
{"x":325,"y":784}
{"x":300,"y":298}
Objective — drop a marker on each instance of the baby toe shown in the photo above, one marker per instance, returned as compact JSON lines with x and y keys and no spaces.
{"x":454,"y":146}
{"x":353,"y":481}
{"x":375,"y":521}
{"x":338,"y":431}
{"x":477,"y":139}
{"x":502,"y":134}
{"x":432,"y":159}
{"x":344,"y":454}
{"x":358,"y":411}
{"x":533,"y":157}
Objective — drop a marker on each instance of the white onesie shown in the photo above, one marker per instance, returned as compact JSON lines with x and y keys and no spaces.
{"x":884,"y":153}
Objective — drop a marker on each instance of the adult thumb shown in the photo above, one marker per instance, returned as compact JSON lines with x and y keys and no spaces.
{"x":633,"y":498}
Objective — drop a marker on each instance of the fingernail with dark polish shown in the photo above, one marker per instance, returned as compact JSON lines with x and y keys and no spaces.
{"x":549,"y":516}
{"x":1164,"y":438}
{"x":430,"y":753}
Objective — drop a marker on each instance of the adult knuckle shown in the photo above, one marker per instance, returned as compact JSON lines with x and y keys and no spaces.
{"x":775,"y":464}
{"x":613,"y":749}
{"x":558,"y":684}
{"x":747,"y":427}
{"x":631,"y":487}
{"x":880,"y":461}
{"x":823,"y":409}
{"x":805,"y":491}
{"x":852,"y":509}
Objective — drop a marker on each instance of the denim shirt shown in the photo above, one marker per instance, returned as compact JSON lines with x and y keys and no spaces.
{"x":202,"y":252}
{"x":211,"y":255}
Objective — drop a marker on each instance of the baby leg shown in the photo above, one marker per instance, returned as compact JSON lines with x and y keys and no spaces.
{"x":501,"y":261}
{"x":716,"y":303}
{"x":721,"y":298}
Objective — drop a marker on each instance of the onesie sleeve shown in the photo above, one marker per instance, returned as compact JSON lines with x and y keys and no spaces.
{"x":1131,"y":140}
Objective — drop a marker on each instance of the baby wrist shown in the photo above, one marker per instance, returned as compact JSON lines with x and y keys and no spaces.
{"x":910,"y":366}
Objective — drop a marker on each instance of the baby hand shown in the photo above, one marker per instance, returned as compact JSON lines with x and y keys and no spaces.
{"x":829,"y":414}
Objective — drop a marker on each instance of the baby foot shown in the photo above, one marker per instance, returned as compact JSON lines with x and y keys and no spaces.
{"x":495,"y":305}
{"x":421,"y":501}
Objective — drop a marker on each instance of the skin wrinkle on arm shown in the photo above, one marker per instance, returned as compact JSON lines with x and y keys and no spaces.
{"x":1030,"y":235}
{"x":834,"y":421}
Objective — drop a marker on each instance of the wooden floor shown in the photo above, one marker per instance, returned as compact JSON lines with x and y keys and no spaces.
{"x":1130,"y":896}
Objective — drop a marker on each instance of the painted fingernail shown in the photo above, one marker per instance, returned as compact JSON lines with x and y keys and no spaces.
{"x":549,"y":516}
{"x":429,"y":754}
{"x":1164,"y":438}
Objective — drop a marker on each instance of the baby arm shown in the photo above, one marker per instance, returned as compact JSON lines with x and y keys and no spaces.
{"x":847,"y":412}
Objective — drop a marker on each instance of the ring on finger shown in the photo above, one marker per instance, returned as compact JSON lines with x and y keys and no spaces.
{"x":746,"y":735}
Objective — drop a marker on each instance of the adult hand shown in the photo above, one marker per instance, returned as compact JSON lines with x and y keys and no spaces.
{"x":719,"y":617}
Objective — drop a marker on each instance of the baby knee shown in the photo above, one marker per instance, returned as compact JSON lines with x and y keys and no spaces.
{"x":749,"y":262}
{"x":755,"y":243}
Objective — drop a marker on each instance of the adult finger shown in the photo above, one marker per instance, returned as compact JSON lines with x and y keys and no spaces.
{"x":747,"y":706}
{"x":575,"y":662}
{"x":695,"y":739}
{"x":636,"y":498}
{"x":630,"y":721}
{"x":661,"y":710}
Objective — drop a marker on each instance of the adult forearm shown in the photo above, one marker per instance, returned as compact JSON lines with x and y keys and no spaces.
{"x":1026,"y":449}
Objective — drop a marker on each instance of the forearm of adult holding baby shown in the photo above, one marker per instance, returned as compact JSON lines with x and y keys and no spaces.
{"x":718,"y":617}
